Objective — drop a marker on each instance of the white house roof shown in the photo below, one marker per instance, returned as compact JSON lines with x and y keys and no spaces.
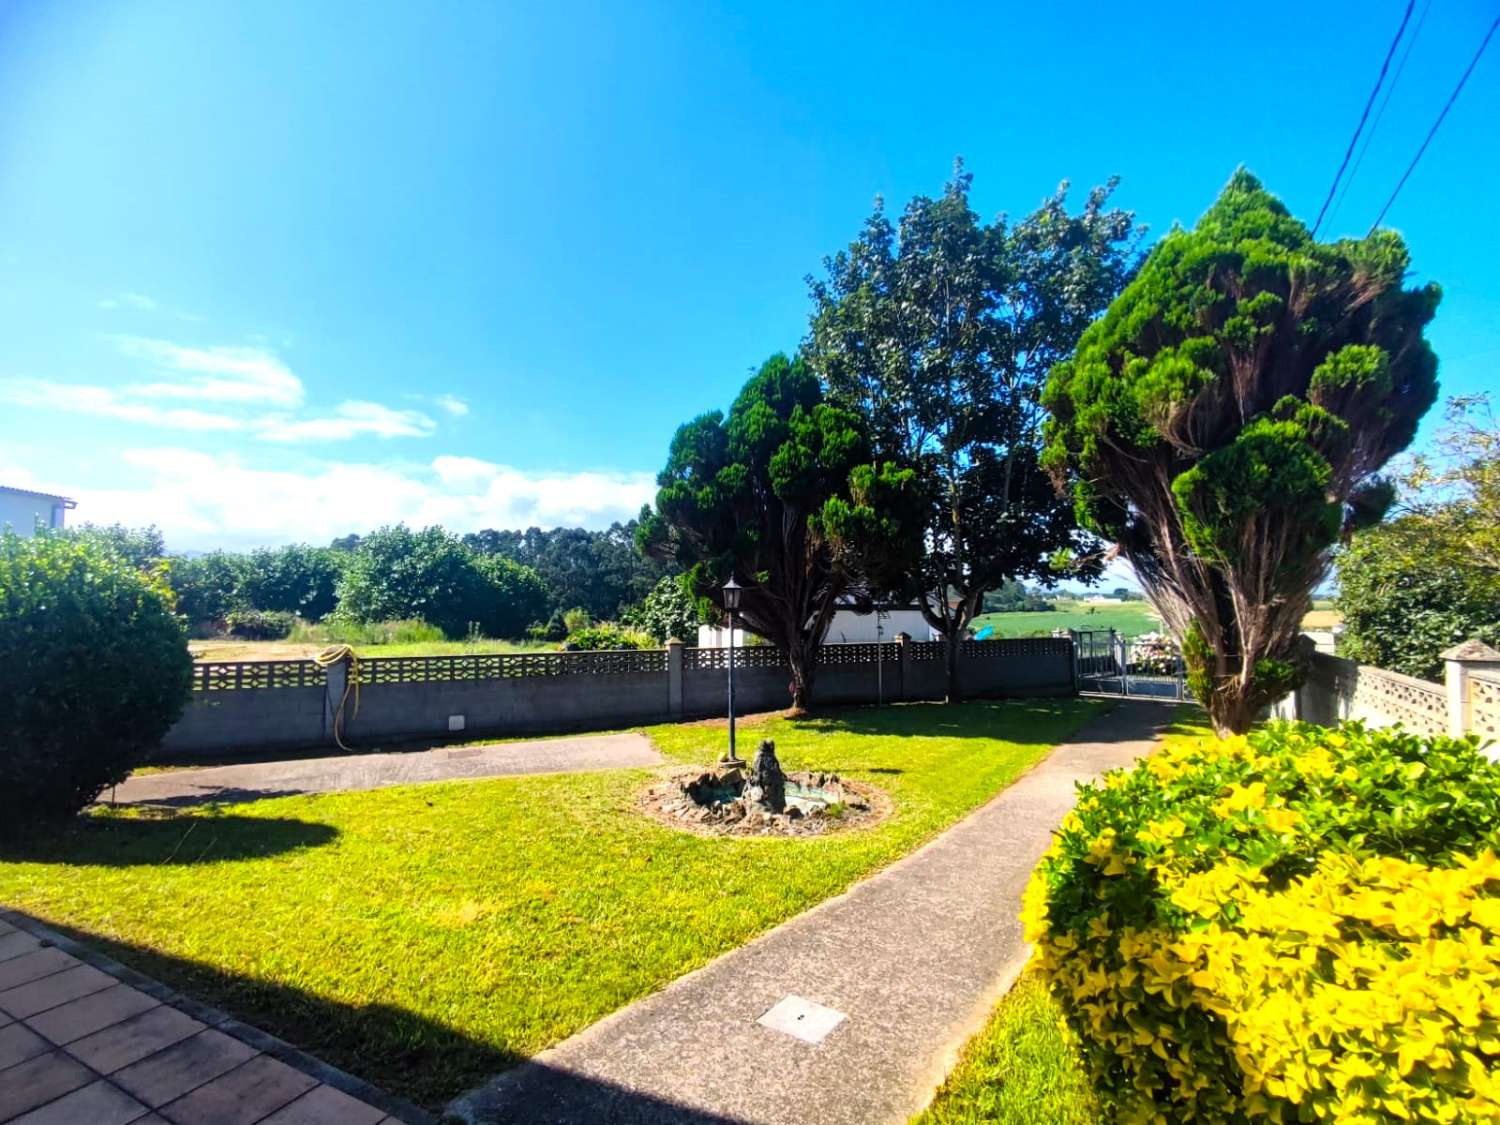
{"x":68,"y":500}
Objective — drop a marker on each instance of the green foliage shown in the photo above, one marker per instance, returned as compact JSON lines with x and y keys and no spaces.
{"x":399,"y":573}
{"x":781,"y":495}
{"x":335,"y":629}
{"x":260,"y":624}
{"x":607,"y":635}
{"x":1301,"y":924}
{"x":669,"y":610}
{"x":1012,"y":596}
{"x":96,"y":669}
{"x":208,"y":587}
{"x":140,"y":547}
{"x":938,"y":334}
{"x":1225,"y":420}
{"x":296,"y":579}
{"x":577,"y":618}
{"x":1406,"y":595}
{"x":601,"y":572}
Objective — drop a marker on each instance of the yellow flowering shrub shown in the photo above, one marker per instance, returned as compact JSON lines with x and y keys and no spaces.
{"x":1301,"y":924}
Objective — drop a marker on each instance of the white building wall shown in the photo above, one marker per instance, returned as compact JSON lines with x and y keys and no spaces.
{"x":847,"y":627}
{"x":23,"y":511}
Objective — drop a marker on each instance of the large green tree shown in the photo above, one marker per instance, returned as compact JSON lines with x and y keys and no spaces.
{"x":1224,"y":423}
{"x":782,"y":495}
{"x":1430,"y":578}
{"x":940,"y":334}
{"x":396,"y":572}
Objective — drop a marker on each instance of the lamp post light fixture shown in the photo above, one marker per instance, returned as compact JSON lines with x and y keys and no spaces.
{"x":732,"y":591}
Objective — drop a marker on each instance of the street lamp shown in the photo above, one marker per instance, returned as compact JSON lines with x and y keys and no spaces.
{"x":732,"y":591}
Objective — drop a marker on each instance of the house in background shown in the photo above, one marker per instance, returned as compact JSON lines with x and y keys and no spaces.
{"x":847,"y":627}
{"x":23,"y":511}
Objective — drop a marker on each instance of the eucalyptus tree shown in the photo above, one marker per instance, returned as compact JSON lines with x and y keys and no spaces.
{"x":1224,"y":424}
{"x":939,"y":331}
{"x":782,"y":494}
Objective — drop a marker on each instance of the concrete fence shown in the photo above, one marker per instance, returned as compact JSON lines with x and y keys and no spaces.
{"x":1466,"y":702}
{"x":293,"y":703}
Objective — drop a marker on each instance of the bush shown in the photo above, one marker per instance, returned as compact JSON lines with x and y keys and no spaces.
{"x":340,"y":630}
{"x":399,"y":573}
{"x":260,"y":624}
{"x":668,"y":611}
{"x":607,"y":635}
{"x":96,"y":670}
{"x":1301,"y":925}
{"x":207,"y":587}
{"x":295,"y":579}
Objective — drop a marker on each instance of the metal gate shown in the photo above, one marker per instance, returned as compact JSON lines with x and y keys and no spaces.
{"x":1148,"y":667}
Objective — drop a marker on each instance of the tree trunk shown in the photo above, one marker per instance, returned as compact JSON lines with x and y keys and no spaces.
{"x":802,"y":657}
{"x":1230,"y":710}
{"x":952,"y":692}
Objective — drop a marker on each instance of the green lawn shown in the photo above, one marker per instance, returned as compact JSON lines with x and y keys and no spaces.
{"x":1129,"y":618}
{"x":1024,"y":1068}
{"x":425,"y":937}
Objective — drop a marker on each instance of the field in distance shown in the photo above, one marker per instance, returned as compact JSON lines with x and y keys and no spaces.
{"x":1129,"y":619}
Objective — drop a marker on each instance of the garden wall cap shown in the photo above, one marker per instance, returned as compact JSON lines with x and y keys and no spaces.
{"x":1473,"y":650}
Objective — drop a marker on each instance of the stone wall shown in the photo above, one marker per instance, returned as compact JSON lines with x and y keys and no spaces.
{"x":286,"y":704}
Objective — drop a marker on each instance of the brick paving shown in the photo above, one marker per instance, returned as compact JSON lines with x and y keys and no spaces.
{"x":83,"y":1040}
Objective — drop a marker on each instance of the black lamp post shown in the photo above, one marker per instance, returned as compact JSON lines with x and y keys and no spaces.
{"x":732,"y":590}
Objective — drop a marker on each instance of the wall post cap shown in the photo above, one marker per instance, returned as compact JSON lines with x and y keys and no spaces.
{"x":1473,"y":650}
{"x":674,"y":641}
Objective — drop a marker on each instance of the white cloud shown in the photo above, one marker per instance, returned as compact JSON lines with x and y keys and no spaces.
{"x":253,"y":390}
{"x":202,"y":501}
{"x":349,"y":419}
{"x":129,"y":301}
{"x":452,"y":404}
{"x":82,"y":398}
{"x":218,"y":374}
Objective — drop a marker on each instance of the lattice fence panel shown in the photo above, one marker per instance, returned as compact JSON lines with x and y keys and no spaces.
{"x":717,"y":659}
{"x":243,"y":675}
{"x":927,"y":650}
{"x":1018,"y":646}
{"x":446,"y":669}
{"x":859,"y":652}
{"x":1484,"y":706}
{"x":1416,"y":704}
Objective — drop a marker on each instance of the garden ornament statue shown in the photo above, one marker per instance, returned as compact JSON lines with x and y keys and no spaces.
{"x":766,"y":784}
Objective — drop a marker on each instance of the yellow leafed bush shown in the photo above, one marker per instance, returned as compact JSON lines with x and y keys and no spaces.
{"x":1298,"y":925}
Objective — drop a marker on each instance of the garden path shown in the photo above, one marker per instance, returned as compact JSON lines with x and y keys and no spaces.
{"x":850,"y":1013}
{"x":257,"y":780}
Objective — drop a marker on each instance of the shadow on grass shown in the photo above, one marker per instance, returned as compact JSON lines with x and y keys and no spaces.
{"x":398,"y":1060}
{"x":165,"y":840}
{"x":1020,"y":720}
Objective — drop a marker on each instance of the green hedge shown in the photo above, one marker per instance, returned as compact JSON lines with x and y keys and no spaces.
{"x":1301,"y":924}
{"x":94,"y":669}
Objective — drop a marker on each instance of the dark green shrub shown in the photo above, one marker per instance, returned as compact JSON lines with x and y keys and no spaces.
{"x":1300,"y":924}
{"x":260,"y":624}
{"x":207,"y":587}
{"x":668,"y":611}
{"x":96,"y":670}
{"x":295,"y":579}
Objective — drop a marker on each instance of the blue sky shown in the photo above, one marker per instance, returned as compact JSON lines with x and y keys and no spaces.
{"x":277,"y":271}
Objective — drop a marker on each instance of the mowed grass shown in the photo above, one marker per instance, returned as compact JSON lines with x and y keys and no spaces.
{"x":425,"y":937}
{"x":1024,"y":1068}
{"x":1129,"y":618}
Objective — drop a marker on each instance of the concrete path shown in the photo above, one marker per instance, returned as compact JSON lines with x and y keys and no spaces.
{"x":85,"y":1041}
{"x":257,"y":780}
{"x":910,"y":962}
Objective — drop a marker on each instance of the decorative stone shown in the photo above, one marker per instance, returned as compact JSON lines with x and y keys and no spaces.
{"x":767,"y":776}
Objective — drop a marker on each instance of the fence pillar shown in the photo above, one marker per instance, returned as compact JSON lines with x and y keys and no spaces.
{"x":674,"y":679}
{"x":1458,"y":662}
{"x":333,"y":697}
{"x":904,"y":641}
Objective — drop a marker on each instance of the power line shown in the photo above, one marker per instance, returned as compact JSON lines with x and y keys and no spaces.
{"x":1453,"y":97}
{"x":1380,"y":113}
{"x":1365,"y":116}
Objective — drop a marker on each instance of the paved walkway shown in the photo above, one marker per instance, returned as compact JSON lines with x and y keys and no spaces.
{"x":253,"y":781}
{"x":84,"y":1041}
{"x":850,"y":1013}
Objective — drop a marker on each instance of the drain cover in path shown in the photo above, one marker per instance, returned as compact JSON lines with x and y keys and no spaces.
{"x":802,"y":1018}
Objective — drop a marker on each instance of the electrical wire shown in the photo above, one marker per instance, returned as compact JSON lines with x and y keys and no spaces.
{"x":1365,"y":116}
{"x":1453,"y":97}
{"x":1364,"y":147}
